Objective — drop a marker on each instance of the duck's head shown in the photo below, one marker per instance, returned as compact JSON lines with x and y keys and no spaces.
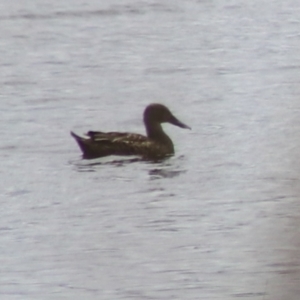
{"x":156,"y":113}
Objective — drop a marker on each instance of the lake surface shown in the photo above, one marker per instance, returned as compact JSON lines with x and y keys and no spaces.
{"x":220,"y":219}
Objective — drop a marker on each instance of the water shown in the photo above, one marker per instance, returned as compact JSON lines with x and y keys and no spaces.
{"x":220,"y":219}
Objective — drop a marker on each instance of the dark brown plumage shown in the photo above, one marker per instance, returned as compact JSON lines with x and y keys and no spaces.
{"x":156,"y":144}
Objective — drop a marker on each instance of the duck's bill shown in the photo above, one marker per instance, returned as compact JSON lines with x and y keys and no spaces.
{"x":178,"y":123}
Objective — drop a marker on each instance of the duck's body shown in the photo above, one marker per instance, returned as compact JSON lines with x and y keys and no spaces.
{"x":156,"y":144}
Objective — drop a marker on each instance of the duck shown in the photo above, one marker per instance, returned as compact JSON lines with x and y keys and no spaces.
{"x":155,"y":145}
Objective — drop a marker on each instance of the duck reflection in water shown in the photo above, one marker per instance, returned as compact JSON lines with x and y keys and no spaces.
{"x":157,"y":169}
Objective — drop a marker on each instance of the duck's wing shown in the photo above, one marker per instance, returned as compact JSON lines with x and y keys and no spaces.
{"x":98,"y":144}
{"x":117,"y":137}
{"x":122,"y":143}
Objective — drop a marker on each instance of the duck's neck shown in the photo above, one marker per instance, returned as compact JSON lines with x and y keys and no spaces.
{"x":156,"y":133}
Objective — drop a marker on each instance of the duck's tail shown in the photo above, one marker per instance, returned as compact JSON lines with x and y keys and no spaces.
{"x":84,"y":144}
{"x":80,"y":140}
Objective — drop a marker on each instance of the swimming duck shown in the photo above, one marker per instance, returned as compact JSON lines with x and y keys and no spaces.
{"x":156,"y":144}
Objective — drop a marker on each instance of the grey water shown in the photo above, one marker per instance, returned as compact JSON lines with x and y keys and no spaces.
{"x":218,"y":220}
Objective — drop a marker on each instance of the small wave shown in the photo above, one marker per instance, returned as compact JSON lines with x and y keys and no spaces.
{"x":108,"y":12}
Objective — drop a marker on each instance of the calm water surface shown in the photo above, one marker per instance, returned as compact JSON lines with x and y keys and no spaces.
{"x":220,"y":219}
